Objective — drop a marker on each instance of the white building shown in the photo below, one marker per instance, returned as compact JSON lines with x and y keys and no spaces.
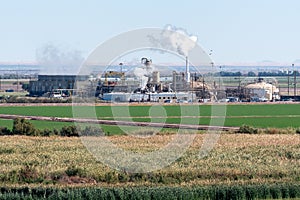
{"x":263,"y":91}
{"x":164,"y":97}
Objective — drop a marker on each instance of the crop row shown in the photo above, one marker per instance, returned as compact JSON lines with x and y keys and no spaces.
{"x":273,"y":191}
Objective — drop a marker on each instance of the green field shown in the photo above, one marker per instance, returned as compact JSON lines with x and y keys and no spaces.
{"x":257,"y":115}
{"x":38,"y":124}
{"x":41,"y":125}
{"x":174,"y":110}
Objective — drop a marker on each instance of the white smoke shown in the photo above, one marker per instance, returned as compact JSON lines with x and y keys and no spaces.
{"x":141,"y":72}
{"x":58,"y":60}
{"x":179,"y":39}
{"x":144,"y":73}
{"x":175,"y":39}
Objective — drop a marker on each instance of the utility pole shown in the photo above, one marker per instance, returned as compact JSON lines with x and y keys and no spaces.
{"x":122,"y":75}
{"x":239,"y":89}
{"x":220,"y":78}
{"x":288,"y":82}
{"x":203,"y":88}
{"x":17,"y":81}
{"x":295,"y":82}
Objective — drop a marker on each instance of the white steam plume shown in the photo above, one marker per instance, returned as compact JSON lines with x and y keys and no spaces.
{"x":57,"y":60}
{"x":175,"y":39}
{"x":179,"y":39}
{"x":144,"y":73}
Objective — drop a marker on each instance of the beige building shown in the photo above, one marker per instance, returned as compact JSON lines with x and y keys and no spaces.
{"x":262,"y":91}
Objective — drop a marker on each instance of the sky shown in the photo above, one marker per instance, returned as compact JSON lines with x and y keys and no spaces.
{"x":237,"y":31}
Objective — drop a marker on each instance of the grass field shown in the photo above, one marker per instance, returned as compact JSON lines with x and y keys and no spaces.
{"x":175,"y":110}
{"x":38,"y":124}
{"x":257,"y":115}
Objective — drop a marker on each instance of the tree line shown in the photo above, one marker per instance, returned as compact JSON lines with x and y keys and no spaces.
{"x":253,"y":74}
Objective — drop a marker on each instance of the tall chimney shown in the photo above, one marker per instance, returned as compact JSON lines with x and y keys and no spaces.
{"x":188,"y":76}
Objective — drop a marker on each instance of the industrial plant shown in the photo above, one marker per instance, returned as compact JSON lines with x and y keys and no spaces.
{"x":144,"y":83}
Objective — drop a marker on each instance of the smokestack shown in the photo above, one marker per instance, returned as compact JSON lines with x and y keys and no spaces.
{"x":188,"y":76}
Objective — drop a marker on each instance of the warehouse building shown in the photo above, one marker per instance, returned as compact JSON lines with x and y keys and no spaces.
{"x":49,"y":83}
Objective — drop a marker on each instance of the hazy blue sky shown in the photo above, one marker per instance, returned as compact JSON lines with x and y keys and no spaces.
{"x":236,"y":30}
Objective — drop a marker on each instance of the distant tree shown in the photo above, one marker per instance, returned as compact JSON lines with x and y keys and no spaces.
{"x":251,"y":74}
{"x":223,"y":73}
{"x":238,"y":74}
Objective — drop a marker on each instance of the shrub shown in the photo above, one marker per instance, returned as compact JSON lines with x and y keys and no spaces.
{"x":123,"y":177}
{"x":29,"y":174}
{"x":4,"y":150}
{"x":69,"y":131}
{"x":23,"y":127}
{"x":272,"y":131}
{"x":111,"y":177}
{"x":91,"y":131}
{"x":74,"y":171}
{"x":54,"y":176}
{"x":55,"y":132}
{"x":248,"y":129}
{"x":5,"y":131}
{"x":46,"y":132}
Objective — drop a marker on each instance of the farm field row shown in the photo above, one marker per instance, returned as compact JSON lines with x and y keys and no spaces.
{"x":143,"y":110}
{"x":260,"y":115}
{"x":270,"y":122}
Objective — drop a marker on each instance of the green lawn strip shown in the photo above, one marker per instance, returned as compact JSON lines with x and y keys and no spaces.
{"x":140,"y":111}
{"x":263,"y":109}
{"x":116,"y":130}
{"x":278,"y":122}
{"x":102,"y":111}
{"x":256,"y":122}
{"x":113,"y":130}
{"x":49,"y":111}
{"x":258,"y":115}
{"x":268,"y":122}
{"x":38,"y":124}
{"x":6,"y":123}
{"x":50,"y":125}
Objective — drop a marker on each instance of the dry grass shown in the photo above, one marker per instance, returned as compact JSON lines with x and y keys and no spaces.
{"x":237,"y":158}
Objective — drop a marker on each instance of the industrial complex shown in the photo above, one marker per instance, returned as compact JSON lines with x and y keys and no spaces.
{"x":144,"y":84}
